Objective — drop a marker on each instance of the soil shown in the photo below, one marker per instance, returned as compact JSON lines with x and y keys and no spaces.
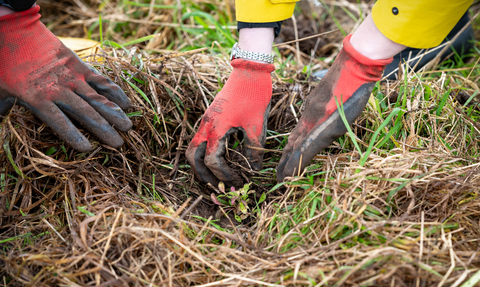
{"x":307,"y":25}
{"x":462,"y":97}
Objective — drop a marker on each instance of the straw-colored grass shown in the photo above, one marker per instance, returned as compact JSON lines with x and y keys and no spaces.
{"x":405,"y":214}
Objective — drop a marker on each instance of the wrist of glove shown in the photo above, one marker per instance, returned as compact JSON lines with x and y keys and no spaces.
{"x":38,"y":72}
{"x":241,"y":106}
{"x":350,"y":81}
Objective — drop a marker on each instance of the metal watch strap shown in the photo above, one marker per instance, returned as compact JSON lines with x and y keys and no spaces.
{"x":237,"y":53}
{"x":18,"y":5}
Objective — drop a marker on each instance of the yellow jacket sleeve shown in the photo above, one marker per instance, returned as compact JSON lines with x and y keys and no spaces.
{"x":264,"y":11}
{"x":418,"y":24}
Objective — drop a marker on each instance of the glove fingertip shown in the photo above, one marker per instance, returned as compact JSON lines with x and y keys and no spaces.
{"x":123,"y":102}
{"x":281,"y":166}
{"x":125,"y":125}
{"x":116,"y":142}
{"x":82,"y":146}
{"x":5,"y":106}
{"x":289,"y":165}
{"x":196,"y":158}
{"x":280,"y":177}
{"x":255,"y":158}
{"x":111,"y":91}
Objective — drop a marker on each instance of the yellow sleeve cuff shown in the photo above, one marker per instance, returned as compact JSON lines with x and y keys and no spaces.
{"x":264,"y":11}
{"x":418,"y":24}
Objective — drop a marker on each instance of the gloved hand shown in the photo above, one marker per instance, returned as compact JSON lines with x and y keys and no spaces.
{"x":38,"y":72}
{"x":242,"y":105}
{"x":350,"y":80}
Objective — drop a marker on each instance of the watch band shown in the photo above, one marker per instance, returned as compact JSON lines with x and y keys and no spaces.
{"x":237,"y":53}
{"x":18,"y":5}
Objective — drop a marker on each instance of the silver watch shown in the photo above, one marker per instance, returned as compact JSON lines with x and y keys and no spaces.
{"x":237,"y":53}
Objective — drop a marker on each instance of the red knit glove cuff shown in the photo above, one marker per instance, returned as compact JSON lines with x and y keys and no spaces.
{"x":15,"y":21}
{"x":254,"y":67}
{"x":250,"y":82}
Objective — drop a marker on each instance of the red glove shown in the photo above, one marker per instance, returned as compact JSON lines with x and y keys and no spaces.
{"x":242,"y":105}
{"x":38,"y":72}
{"x":351,"y":80}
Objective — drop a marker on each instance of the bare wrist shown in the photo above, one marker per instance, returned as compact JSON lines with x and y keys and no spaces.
{"x":258,"y":40}
{"x":371,"y":43}
{"x":5,"y":11}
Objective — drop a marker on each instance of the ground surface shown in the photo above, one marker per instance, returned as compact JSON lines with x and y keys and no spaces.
{"x":394,"y":203}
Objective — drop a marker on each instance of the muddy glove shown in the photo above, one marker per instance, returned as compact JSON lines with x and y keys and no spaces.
{"x":242,"y":105}
{"x":350,"y":80}
{"x":38,"y":72}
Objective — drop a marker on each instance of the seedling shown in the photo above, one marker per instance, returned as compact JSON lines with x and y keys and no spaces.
{"x":234,"y":200}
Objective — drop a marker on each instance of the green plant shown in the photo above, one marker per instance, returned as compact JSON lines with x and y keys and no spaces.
{"x":234,"y":200}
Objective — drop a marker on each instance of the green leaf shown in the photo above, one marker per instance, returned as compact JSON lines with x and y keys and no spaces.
{"x":51,"y":151}
{"x":148,"y":5}
{"x":135,"y":114}
{"x":214,"y":199}
{"x":209,"y":17}
{"x":472,"y":281}
{"x":82,"y":209}
{"x":442,"y":103}
{"x":372,"y":141}
{"x":15,"y":238}
{"x":221,"y":187}
{"x":113,"y":44}
{"x":262,"y":198}
{"x":243,"y":208}
{"x":238,"y":218}
{"x":212,"y":223}
{"x":139,"y":40}
{"x":6,"y":147}
{"x":341,"y":112}
{"x":100,"y":27}
{"x":144,"y":96}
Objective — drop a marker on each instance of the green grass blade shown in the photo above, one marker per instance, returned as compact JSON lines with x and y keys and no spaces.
{"x":349,"y":129}
{"x":100,"y":27}
{"x":209,"y":17}
{"x":472,"y":281}
{"x":139,"y":40}
{"x":364,"y":158}
{"x":6,"y":147}
{"x":148,"y":5}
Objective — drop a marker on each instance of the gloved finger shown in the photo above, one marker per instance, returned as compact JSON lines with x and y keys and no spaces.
{"x":255,"y":142}
{"x":304,"y":149}
{"x":254,"y":149}
{"x":295,"y":140}
{"x":51,"y":115}
{"x":305,"y":144}
{"x":107,"y":88}
{"x":196,"y":157}
{"x":5,"y":105}
{"x":216,"y":163}
{"x":78,"y":109}
{"x":107,"y":109}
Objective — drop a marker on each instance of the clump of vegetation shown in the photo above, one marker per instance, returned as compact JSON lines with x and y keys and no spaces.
{"x":236,"y":200}
{"x":394,"y":202}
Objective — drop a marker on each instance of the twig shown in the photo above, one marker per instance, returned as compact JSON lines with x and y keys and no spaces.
{"x":306,"y":38}
{"x":54,"y":230}
{"x":176,"y":55}
{"x":189,"y":209}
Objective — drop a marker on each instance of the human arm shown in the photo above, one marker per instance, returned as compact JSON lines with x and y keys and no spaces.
{"x":38,"y":72}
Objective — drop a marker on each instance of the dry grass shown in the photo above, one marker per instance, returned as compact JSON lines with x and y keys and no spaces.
{"x":131,"y":217}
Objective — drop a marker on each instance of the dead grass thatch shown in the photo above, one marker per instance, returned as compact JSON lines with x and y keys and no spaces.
{"x":136,"y":216}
